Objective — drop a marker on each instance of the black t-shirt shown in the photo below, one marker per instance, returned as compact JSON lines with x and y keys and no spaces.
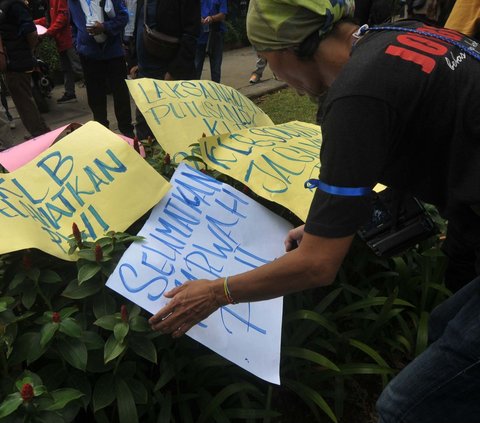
{"x":15,"y":25}
{"x":404,"y":112}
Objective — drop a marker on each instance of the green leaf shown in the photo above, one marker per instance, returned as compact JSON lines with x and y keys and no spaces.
{"x":17,"y":280}
{"x":369,"y":302}
{"x":422,"y":333}
{"x":103,"y":393}
{"x":113,"y":349}
{"x":47,"y":332}
{"x":87,"y":254}
{"x":29,"y":296}
{"x":67,"y":312}
{"x":107,"y":322}
{"x":70,"y":328}
{"x":364,"y":369}
{"x":26,"y":348}
{"x":34,"y":274}
{"x":312,"y":356}
{"x":251,"y":414}
{"x":10,"y":404}
{"x":139,"y":391}
{"x":139,"y":324}
{"x":373,"y":354}
{"x":224,"y":394}
{"x":127,"y":410}
{"x":134,"y":311}
{"x":305,"y":392}
{"x":76,"y":292}
{"x":61,"y":397}
{"x":92,"y":340}
{"x":165,"y":408}
{"x":120,"y":331}
{"x":74,"y":352}
{"x":88,"y":271}
{"x":103,"y":304}
{"x":49,"y":276}
{"x":144,"y":347}
{"x":369,"y":351}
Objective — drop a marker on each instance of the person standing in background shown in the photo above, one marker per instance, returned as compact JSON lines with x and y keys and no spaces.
{"x":257,"y":74}
{"x":20,"y":38}
{"x":211,"y":38}
{"x":176,"y":18}
{"x":57,"y":22}
{"x":97,"y":30}
{"x":465,"y":18}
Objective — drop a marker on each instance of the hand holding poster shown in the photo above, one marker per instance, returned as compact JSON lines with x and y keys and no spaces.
{"x":179,"y":112}
{"x":273,"y":161}
{"x":90,"y":177}
{"x":204,"y":228}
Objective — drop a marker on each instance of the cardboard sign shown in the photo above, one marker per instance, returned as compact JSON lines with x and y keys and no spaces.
{"x":90,"y":177}
{"x":273,"y":161}
{"x":21,"y":154}
{"x":205,"y":229}
{"x":179,"y":112}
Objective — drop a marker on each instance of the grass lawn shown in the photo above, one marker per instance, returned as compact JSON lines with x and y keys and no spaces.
{"x":286,"y":105}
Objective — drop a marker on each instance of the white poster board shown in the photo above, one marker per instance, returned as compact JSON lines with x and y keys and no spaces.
{"x":205,"y":229}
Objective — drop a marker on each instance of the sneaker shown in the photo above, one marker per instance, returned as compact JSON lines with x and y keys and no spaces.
{"x":67,"y":98}
{"x":254,"y":78}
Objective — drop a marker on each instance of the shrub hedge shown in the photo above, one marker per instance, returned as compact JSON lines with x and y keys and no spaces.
{"x":72,"y":350}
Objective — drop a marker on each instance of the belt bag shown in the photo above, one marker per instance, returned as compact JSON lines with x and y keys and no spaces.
{"x":158,"y":44}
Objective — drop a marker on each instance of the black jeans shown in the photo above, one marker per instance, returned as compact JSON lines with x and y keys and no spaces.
{"x":97,"y":74}
{"x":215,"y":54}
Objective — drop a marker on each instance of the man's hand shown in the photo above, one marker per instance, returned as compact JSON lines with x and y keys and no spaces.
{"x":191,"y":303}
{"x":294,"y":238}
{"x":96,"y":29}
{"x":134,"y":72}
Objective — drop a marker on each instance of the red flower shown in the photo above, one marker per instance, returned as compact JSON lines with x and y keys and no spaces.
{"x":245,"y":189}
{"x":27,"y":392}
{"x":56,"y":317}
{"x":124,"y":313}
{"x":136,"y":145}
{"x":98,"y":253}
{"x":76,"y":234}
{"x":27,"y":261}
{"x":167,"y":160}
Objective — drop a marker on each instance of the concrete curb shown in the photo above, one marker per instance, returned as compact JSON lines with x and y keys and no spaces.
{"x":262,"y":88}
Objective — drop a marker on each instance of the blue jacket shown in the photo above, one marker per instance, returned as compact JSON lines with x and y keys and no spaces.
{"x":86,"y":44}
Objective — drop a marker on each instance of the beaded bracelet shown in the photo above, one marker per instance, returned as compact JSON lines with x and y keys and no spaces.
{"x":227,"y":292}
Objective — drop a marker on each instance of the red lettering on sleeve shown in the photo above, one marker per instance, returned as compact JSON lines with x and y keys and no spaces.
{"x":427,"y":63}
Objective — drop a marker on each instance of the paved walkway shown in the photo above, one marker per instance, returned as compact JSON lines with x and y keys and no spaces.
{"x":237,"y":67}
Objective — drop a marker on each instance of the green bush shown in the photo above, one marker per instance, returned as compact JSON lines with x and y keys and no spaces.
{"x":47,"y":51}
{"x":72,"y":350}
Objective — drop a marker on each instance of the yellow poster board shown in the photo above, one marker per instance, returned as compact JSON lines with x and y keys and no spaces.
{"x":91,"y":178}
{"x":273,"y":161}
{"x":180,"y":112}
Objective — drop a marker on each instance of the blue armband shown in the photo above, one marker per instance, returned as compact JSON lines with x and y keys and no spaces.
{"x":331,"y":189}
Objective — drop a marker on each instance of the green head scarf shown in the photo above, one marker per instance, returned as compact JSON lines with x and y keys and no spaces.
{"x":279,"y":24}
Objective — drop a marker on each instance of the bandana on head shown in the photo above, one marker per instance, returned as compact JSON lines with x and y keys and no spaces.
{"x":279,"y":24}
